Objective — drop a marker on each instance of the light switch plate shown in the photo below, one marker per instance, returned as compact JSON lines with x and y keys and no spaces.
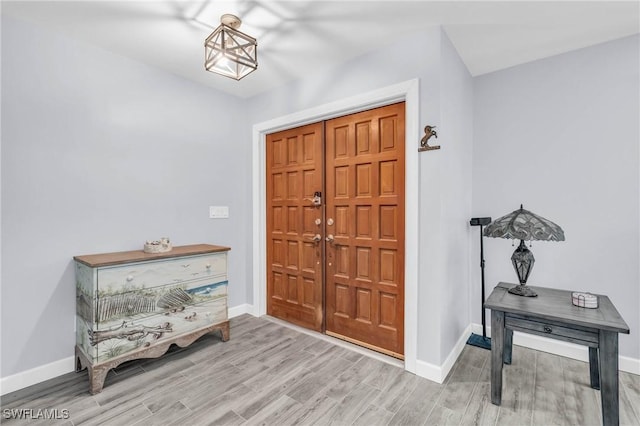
{"x":218,"y":212}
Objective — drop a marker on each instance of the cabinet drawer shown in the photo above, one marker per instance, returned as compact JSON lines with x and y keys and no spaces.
{"x":579,"y":335}
{"x":112,"y":309}
{"x":142,"y":275}
{"x":131,"y":334}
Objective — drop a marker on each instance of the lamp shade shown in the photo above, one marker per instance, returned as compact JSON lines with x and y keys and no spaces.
{"x":524,"y":225}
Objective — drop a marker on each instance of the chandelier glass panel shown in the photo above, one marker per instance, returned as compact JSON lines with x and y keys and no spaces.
{"x":230,"y":52}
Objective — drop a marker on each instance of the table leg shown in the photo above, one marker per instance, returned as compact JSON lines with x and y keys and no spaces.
{"x":497,"y":348}
{"x":508,"y":345}
{"x":594,"y":370}
{"x":608,"y":347}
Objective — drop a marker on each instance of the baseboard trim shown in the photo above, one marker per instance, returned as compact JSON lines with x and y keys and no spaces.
{"x":36,"y":375}
{"x":556,"y":347}
{"x":67,"y":365}
{"x":429,"y":371}
{"x":437,"y":373}
{"x":236,"y":311}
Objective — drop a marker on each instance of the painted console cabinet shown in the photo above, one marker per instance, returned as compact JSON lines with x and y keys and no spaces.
{"x":132,"y":305}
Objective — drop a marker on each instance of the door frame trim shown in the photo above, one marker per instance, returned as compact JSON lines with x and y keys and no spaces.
{"x":407,"y":91}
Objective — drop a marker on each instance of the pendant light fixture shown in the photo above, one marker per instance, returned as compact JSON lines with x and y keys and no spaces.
{"x":230,"y":52}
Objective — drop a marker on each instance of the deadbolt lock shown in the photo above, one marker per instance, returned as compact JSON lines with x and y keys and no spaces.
{"x":317,"y":198}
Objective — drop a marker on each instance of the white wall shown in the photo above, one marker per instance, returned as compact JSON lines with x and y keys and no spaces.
{"x":561,"y":136}
{"x":456,"y":128}
{"x":100,"y":153}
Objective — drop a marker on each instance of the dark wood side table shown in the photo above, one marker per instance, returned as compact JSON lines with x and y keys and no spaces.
{"x":552,"y":315}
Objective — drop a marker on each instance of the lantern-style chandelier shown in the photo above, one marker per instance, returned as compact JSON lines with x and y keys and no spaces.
{"x":230,"y":52}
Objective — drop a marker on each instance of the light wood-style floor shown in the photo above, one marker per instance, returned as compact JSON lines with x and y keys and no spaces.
{"x":274,"y":375}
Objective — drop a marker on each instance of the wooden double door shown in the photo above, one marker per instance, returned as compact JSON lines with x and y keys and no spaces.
{"x":335,"y":227}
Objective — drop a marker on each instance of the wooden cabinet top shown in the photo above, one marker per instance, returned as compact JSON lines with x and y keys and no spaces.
{"x":123,"y":257}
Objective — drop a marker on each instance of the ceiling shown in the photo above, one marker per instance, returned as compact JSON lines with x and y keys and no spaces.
{"x":298,"y":37}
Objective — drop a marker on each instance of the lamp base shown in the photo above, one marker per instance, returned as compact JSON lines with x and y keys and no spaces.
{"x":523,"y":290}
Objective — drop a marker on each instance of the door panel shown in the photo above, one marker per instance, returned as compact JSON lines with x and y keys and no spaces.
{"x":364,"y":156}
{"x":294,"y":260}
{"x":358,"y":160}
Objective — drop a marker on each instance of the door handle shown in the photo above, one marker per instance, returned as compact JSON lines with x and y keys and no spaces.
{"x":316,"y":201}
{"x":316,"y":238}
{"x":329,"y":238}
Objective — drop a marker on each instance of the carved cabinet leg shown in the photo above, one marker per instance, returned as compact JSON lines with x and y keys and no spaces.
{"x":224,"y":331}
{"x":79,"y":366}
{"x":97,"y":375}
